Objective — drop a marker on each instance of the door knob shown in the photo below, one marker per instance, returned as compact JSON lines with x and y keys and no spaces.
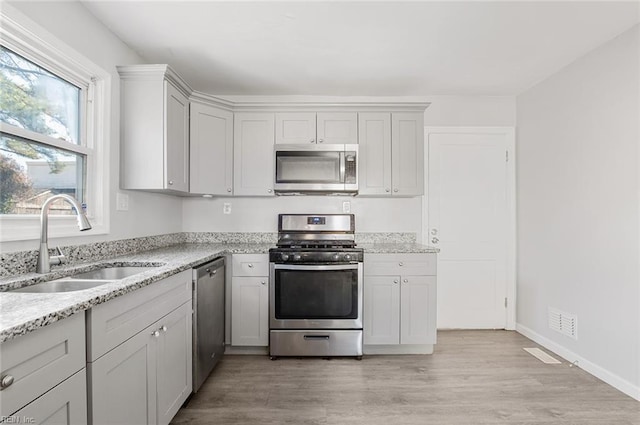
{"x":435,"y":240}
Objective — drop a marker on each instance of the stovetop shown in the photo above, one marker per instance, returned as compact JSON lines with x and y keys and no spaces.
{"x":282,"y":255}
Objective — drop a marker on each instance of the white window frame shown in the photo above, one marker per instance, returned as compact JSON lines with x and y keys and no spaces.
{"x":21,"y":35}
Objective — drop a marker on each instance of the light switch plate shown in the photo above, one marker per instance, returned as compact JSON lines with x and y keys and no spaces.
{"x":226,"y":208}
{"x":346,"y":207}
{"x":122,"y":201}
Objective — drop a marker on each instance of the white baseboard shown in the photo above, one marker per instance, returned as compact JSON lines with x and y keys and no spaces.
{"x":599,"y":372}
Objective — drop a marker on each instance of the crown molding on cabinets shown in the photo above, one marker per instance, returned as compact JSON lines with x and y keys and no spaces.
{"x":309,"y":104}
{"x":161,"y":71}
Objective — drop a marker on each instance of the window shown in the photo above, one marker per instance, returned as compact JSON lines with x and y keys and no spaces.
{"x":53,"y":132}
{"x":39,"y":148}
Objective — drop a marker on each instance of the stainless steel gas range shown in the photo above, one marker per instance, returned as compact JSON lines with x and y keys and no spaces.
{"x":315,"y":292}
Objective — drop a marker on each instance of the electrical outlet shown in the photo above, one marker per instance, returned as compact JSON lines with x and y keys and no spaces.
{"x":346,"y":207}
{"x":226,"y":208}
{"x":122,"y":201}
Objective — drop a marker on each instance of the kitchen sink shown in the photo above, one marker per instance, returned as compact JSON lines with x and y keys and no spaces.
{"x":62,"y":285}
{"x":85,"y":280}
{"x":110,"y":273}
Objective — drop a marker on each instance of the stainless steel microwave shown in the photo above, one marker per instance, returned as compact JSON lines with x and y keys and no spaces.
{"x":322,"y":169}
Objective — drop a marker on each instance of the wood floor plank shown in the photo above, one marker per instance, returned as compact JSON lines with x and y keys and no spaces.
{"x":473,"y":377}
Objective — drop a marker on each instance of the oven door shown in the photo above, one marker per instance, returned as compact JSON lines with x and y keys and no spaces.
{"x":315,"y":296}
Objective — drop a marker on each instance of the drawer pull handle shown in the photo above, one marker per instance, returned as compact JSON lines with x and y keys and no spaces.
{"x":6,"y":382}
{"x":317,"y":337}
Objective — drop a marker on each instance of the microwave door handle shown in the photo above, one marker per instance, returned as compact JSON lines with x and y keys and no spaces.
{"x":342,"y":167}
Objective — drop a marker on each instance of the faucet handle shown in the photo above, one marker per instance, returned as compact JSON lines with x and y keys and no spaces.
{"x":57,"y":259}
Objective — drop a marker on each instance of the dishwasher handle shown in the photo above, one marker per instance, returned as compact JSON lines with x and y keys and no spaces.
{"x":209,"y":269}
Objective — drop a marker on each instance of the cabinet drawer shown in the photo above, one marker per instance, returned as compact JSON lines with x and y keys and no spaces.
{"x":400,"y":264}
{"x":65,"y":404}
{"x":250,"y":264}
{"x":113,"y":322}
{"x":40,"y":360}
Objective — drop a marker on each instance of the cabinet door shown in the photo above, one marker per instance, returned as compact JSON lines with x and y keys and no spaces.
{"x":176,"y":139}
{"x":123,"y":382}
{"x":374,"y":139}
{"x":253,"y":157}
{"x":381,"y":310}
{"x":418,"y":310}
{"x":407,"y":156}
{"x":250,"y":311}
{"x":337,"y":127}
{"x":296,"y":127}
{"x":174,"y":377}
{"x":211,"y":150}
{"x":64,"y":404}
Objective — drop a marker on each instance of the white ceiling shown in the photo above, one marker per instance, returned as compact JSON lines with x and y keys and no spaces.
{"x":364,"y":48}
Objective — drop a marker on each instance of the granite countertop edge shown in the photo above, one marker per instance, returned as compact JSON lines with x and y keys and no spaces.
{"x":22,"y":313}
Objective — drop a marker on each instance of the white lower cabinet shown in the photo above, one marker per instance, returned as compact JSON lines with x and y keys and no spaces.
{"x":148,"y":375}
{"x":399,"y":303}
{"x":250,"y":300}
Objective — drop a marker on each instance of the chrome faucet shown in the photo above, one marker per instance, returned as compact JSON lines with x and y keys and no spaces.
{"x":44,"y":260}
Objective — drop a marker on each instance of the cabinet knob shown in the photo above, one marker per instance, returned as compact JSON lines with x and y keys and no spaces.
{"x":170,"y":182}
{"x":395,"y":190}
{"x":405,"y":281}
{"x":155,"y":334}
{"x":387,"y":190}
{"x":6,"y":381}
{"x":264,"y":282}
{"x":269,"y":190}
{"x":320,"y":140}
{"x":401,"y":264}
{"x":229,"y":190}
{"x":163,"y":328}
{"x":250,"y":266}
{"x":395,"y":280}
{"x":312,"y":141}
{"x":435,"y":240}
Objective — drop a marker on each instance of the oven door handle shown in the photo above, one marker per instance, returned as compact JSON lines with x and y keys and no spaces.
{"x":315,"y":267}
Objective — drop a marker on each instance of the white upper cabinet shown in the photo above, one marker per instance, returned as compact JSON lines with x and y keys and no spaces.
{"x":155,"y":129}
{"x":337,"y":127}
{"x":323,"y":127}
{"x":391,"y":154}
{"x":211,"y":150}
{"x":253,"y":163}
{"x":374,"y":148}
{"x":407,"y":153}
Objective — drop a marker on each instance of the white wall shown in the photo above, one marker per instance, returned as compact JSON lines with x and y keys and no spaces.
{"x":372,"y":214}
{"x":149,"y":214}
{"x":578,"y":209}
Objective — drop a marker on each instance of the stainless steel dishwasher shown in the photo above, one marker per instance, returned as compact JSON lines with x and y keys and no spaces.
{"x":208,"y":319}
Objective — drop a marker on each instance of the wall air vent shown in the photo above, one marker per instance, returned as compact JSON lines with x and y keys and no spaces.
{"x":565,"y":323}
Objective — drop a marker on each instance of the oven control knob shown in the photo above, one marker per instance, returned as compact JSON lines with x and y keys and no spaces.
{"x":336,"y":257}
{"x":347,"y":257}
{"x":284,"y":257}
{"x":297,"y":257}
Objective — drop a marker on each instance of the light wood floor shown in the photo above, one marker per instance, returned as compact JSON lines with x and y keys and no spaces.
{"x":473,"y":377}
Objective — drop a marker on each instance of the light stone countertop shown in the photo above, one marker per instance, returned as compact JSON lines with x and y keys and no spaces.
{"x":21,"y":313}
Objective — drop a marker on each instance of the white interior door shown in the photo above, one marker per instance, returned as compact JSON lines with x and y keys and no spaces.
{"x":469,"y":219}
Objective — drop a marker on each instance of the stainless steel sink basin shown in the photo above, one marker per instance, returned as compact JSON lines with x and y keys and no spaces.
{"x":62,"y":285}
{"x":86,"y":280}
{"x":110,"y":273}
